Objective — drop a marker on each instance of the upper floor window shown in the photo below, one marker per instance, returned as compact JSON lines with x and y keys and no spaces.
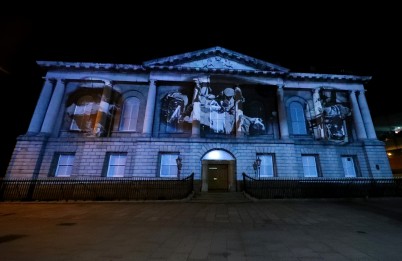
{"x":298,"y":120}
{"x":129,"y":115}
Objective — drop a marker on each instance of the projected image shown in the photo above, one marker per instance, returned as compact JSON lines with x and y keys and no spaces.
{"x":90,"y":111}
{"x":327,"y":113}
{"x":219,"y":112}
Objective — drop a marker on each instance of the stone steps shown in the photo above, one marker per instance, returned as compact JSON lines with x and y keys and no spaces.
{"x":219,"y":197}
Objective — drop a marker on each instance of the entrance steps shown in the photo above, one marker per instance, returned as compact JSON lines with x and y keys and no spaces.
{"x":219,"y":197}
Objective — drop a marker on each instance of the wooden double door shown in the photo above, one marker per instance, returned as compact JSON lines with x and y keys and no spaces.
{"x":218,"y":177}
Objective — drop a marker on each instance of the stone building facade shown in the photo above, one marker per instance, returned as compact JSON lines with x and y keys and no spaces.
{"x":219,"y":112}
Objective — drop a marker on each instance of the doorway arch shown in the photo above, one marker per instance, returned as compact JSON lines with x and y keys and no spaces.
{"x":218,"y":171}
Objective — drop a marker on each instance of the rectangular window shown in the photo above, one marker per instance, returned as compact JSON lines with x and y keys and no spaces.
{"x":267,"y":166}
{"x":117,"y":165}
{"x":349,"y":166}
{"x":168,"y":165}
{"x":65,"y":165}
{"x":309,"y":166}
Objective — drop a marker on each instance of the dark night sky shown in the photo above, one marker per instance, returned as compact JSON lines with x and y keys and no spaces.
{"x":341,"y":44}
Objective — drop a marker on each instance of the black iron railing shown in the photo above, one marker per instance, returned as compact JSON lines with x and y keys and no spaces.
{"x":56,"y":189}
{"x":270,"y":188}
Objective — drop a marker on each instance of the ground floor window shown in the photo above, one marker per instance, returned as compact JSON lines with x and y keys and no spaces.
{"x":116,"y":165}
{"x":168,"y":165}
{"x":64,"y":165}
{"x":266,"y":168}
{"x":349,"y":167}
{"x":309,"y":166}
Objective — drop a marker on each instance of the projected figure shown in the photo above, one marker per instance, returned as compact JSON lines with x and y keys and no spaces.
{"x":220,"y":113}
{"x":326,"y":114}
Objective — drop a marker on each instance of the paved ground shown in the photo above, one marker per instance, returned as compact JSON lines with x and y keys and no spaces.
{"x":357,"y":229}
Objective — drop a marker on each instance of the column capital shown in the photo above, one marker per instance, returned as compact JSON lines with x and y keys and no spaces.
{"x":152,"y":81}
{"x":63,"y":81}
{"x":108,"y":82}
{"x":51,"y":80}
{"x":315,"y":90}
{"x":202,"y":79}
{"x":281,"y":86}
{"x":197,"y":82}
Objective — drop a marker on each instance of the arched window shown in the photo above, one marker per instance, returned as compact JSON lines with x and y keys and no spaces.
{"x":84,"y":114}
{"x":129,"y":116}
{"x":297,"y":118}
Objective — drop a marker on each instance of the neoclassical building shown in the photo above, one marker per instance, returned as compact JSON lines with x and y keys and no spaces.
{"x":220,"y":112}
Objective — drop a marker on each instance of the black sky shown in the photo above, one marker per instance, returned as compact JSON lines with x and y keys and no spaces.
{"x":340,"y":43}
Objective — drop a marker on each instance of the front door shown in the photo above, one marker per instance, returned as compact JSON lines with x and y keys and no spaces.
{"x":217,"y":177}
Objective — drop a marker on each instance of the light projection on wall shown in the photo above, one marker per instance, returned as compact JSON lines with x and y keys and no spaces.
{"x":220,"y":112}
{"x":327,"y":114}
{"x":91,"y":110}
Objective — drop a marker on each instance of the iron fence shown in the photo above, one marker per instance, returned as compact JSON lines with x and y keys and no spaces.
{"x":57,"y":189}
{"x":271,"y":188}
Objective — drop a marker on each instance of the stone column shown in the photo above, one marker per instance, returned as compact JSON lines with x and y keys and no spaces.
{"x":54,"y":107}
{"x":317,"y":117}
{"x":365,"y":111}
{"x":239,"y":100}
{"x":196,"y":112}
{"x":100,"y":126}
{"x":283,"y":121}
{"x":150,"y":108}
{"x":357,"y":117}
{"x":41,"y":106}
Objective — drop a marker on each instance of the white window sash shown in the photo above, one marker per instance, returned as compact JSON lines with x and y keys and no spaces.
{"x":117,"y":164}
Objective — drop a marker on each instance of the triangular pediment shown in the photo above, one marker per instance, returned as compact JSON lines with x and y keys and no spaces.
{"x":215,"y":58}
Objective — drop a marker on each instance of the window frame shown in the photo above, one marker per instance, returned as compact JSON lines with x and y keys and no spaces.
{"x":57,"y":164}
{"x":354,"y":166}
{"x":294,"y":113}
{"x":133,"y":119}
{"x":270,"y":167}
{"x":108,"y":165}
{"x":315,"y":166}
{"x":173,"y":165}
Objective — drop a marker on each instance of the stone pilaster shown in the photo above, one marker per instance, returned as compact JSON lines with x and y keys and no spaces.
{"x":54,"y":107}
{"x":357,"y":117}
{"x":283,"y":121}
{"x":100,"y":127}
{"x":196,"y":112}
{"x":41,"y":107}
{"x":150,"y":108}
{"x":365,"y":111}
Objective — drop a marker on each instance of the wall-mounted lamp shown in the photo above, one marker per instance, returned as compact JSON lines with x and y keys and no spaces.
{"x":257,"y":166}
{"x":179,"y":165}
